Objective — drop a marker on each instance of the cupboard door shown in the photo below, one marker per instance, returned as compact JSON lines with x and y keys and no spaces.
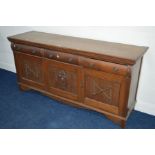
{"x":102,"y":90}
{"x":30,"y":70}
{"x":63,"y":79}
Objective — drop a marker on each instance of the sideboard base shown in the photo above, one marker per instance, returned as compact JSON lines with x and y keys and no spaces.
{"x":121,"y":121}
{"x":118,"y":121}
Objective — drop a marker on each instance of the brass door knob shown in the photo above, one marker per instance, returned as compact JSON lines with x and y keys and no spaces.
{"x":58,"y":56}
{"x":115,"y":69}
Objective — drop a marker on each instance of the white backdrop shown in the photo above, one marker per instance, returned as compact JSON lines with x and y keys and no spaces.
{"x":143,"y":36}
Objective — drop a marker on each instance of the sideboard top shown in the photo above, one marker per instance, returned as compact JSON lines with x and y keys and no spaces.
{"x":102,"y":50}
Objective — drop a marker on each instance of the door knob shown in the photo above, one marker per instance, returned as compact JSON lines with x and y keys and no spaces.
{"x":115,"y":69}
{"x":58,"y":56}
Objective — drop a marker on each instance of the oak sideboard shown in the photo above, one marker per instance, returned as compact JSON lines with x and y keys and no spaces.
{"x":97,"y":75}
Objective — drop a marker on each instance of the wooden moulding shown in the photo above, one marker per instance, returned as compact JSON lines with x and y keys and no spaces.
{"x":100,"y":50}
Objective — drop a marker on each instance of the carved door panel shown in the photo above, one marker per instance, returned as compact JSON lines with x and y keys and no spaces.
{"x":102,"y":90}
{"x":30,"y":70}
{"x":63,"y":79}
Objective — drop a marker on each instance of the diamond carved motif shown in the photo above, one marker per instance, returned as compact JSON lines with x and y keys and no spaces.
{"x":32,"y":71}
{"x":104,"y":90}
{"x":29,"y":71}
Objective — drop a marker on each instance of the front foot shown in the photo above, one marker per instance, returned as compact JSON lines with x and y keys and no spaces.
{"x":24,"y":88}
{"x":122,"y":123}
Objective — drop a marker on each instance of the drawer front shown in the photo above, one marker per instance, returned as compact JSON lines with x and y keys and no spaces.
{"x":27,"y":49}
{"x":104,"y":66}
{"x":59,"y":56}
{"x":63,"y":79}
{"x":30,"y":70}
{"x":102,"y":90}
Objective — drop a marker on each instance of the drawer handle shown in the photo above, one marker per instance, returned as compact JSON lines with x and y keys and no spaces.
{"x":33,"y":51}
{"x":58,"y":56}
{"x":51,"y":55}
{"x":115,"y":69}
{"x":91,"y":65}
{"x":14,"y":45}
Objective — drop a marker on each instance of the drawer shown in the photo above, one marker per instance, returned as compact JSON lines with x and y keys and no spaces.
{"x":27,"y":49}
{"x":59,"y":56}
{"x":105,"y":66}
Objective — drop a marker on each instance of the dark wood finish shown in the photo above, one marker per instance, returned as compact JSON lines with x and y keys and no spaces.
{"x":101,"y":50}
{"x":63,"y":57}
{"x":97,"y":75}
{"x":27,"y":49}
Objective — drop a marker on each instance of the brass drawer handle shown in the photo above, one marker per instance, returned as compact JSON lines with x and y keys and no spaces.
{"x":58,"y":56}
{"x":115,"y":69}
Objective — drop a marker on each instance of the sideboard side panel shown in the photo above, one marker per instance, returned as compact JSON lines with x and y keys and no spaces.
{"x":134,"y":84}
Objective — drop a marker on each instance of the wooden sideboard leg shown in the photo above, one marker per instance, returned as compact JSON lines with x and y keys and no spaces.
{"x":122,"y":123}
{"x":24,"y":88}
